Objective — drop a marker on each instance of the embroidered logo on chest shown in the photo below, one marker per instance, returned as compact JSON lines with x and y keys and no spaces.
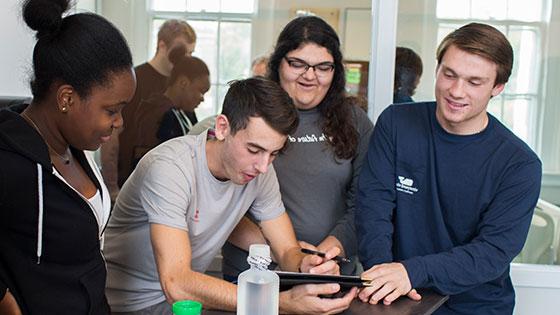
{"x":406,"y":185}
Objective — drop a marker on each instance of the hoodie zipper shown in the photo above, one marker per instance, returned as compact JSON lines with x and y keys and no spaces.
{"x":99,"y":231}
{"x":97,"y":219}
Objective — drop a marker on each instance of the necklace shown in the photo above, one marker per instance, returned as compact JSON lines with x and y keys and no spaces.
{"x":66,"y":159}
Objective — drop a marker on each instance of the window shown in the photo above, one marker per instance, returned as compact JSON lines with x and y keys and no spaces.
{"x":223,"y":30}
{"x":518,"y":106}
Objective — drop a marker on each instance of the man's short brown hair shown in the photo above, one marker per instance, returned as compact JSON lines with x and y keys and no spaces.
{"x":259,"y":97}
{"x":485,"y":41}
{"x":172,"y":29}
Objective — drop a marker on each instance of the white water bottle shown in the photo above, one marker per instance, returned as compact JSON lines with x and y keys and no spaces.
{"x":258,"y":287}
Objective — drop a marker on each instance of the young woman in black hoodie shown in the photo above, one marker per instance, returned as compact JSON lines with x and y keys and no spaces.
{"x":53,"y":203}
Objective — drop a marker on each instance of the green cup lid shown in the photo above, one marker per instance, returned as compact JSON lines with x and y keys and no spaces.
{"x":187,"y":308}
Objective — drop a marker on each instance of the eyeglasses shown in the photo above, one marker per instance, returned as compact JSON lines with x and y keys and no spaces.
{"x":300,"y":67}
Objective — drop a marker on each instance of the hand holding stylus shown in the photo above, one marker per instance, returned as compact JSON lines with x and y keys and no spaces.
{"x":321,"y":265}
{"x":338,"y":259}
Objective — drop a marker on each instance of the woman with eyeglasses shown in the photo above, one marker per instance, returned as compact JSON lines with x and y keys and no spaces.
{"x":319,"y":168}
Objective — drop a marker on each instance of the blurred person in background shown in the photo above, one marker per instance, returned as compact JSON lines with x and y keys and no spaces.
{"x":164,"y":116}
{"x":259,"y":66}
{"x":408,"y":70}
{"x":117,"y":155}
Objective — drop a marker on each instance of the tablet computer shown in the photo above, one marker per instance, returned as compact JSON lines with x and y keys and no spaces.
{"x":289,"y":279}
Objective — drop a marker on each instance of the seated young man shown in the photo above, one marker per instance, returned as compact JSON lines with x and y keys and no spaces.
{"x":185,"y":197}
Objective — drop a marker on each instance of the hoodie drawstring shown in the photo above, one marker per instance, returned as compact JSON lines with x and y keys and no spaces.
{"x":40,"y":217}
{"x":183,"y":120}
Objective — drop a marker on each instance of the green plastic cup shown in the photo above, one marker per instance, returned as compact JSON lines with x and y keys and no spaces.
{"x":187,"y":307}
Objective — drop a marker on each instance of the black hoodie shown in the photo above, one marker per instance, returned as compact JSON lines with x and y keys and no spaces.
{"x":50,"y":248}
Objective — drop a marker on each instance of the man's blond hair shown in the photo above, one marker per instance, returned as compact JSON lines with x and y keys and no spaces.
{"x":172,"y":29}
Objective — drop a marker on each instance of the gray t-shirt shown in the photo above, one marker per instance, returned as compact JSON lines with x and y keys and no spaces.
{"x":173,"y":186}
{"x":318,"y":188}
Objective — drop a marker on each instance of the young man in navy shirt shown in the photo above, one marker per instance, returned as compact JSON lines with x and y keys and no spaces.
{"x":446,"y":193}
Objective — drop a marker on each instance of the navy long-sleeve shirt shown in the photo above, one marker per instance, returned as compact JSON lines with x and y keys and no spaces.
{"x":455,"y":210}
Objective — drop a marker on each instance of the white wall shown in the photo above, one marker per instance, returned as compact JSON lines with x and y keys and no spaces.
{"x":132,"y":19}
{"x":537,"y":288}
{"x":16,"y":50}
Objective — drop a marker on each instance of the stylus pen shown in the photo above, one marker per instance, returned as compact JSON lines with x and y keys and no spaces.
{"x":322,"y":255}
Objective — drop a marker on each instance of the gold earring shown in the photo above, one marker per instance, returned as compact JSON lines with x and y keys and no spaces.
{"x":64,"y":109}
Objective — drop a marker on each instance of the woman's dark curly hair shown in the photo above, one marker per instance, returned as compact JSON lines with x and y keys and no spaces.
{"x":337,"y":120}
